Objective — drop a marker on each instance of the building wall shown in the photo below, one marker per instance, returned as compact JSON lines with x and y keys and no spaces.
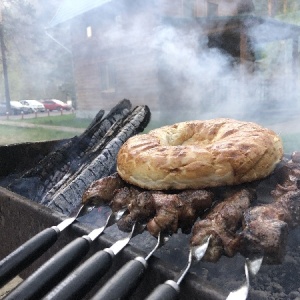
{"x":119,"y":60}
{"x":113,"y":64}
{"x":201,"y":8}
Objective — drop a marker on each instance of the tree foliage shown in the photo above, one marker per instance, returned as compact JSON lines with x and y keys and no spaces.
{"x":38,"y":67}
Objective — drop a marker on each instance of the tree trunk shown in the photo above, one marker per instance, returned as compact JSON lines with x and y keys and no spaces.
{"x":4,"y":65}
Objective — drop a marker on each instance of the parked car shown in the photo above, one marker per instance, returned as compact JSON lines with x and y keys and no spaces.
{"x":36,"y":105}
{"x":17,"y":108}
{"x":54,"y":104}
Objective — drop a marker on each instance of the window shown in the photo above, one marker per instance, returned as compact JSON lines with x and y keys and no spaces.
{"x":212,"y":9}
{"x":188,"y":8}
{"x":107,"y":77}
{"x":89,"y":32}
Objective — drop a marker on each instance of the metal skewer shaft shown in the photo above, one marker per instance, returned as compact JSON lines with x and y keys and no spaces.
{"x":252,"y":267}
{"x":26,"y":254}
{"x":170,"y":289}
{"x":84,"y":278}
{"x":55,"y":269}
{"x":126,"y":279}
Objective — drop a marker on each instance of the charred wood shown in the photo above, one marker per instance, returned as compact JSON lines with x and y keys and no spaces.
{"x":34,"y":183}
{"x":102,"y":161}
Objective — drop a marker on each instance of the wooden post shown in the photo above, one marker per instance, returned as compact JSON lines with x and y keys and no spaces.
{"x":285,"y":7}
{"x":246,"y":55}
{"x":272,"y":8}
{"x":295,"y":62}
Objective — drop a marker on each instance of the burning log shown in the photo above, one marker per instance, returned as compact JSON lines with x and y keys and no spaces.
{"x":103,"y":163}
{"x":81,"y":160}
{"x":64,"y":161}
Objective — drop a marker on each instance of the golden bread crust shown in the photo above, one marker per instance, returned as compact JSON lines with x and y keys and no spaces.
{"x":199,"y":154}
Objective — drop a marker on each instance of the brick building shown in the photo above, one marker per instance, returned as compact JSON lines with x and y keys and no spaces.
{"x":149,"y":51}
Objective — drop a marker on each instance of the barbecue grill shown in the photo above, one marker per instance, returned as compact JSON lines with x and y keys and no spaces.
{"x":21,"y":218}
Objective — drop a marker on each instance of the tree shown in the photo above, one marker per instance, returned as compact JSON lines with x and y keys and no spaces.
{"x":36,"y":66}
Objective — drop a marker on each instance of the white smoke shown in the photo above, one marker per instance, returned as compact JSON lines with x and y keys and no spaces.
{"x":196,"y":81}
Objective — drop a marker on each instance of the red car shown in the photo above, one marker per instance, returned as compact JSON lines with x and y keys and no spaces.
{"x":54,"y":104}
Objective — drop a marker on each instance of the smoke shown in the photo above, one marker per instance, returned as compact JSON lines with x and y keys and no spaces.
{"x":213,"y":84}
{"x":198,"y":81}
{"x":195,"y":76}
{"x":205,"y":78}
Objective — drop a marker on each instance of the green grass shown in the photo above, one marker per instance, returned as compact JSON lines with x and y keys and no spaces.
{"x":13,"y":135}
{"x":291,"y":142}
{"x":69,"y":120}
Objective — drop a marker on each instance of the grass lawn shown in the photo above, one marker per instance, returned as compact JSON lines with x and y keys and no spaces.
{"x":69,"y":120}
{"x":291,"y":142}
{"x":12,"y":134}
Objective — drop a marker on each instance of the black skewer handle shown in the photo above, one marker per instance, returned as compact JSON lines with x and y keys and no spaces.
{"x":167,"y":291}
{"x":123,"y":282}
{"x":23,"y":256}
{"x":83,"y":278}
{"x":53,"y":271}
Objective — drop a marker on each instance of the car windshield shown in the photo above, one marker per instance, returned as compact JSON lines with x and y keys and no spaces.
{"x":16,"y":103}
{"x":58,"y":102}
{"x":34,"y":102}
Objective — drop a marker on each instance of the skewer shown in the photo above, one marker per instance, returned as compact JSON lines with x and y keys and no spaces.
{"x":251,"y":267}
{"x":127,"y":278}
{"x":170,"y":289}
{"x":27,"y":253}
{"x":54,"y":270}
{"x":84,"y":278}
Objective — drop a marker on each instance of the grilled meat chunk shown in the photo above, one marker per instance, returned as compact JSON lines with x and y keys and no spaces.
{"x":288,"y":177}
{"x":222,"y":222}
{"x":141,"y":207}
{"x":163,"y":212}
{"x":266,"y":227}
{"x":103,"y":190}
{"x":180,"y":210}
{"x":123,"y":197}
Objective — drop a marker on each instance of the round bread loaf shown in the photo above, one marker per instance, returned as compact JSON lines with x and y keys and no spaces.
{"x":199,"y":154}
